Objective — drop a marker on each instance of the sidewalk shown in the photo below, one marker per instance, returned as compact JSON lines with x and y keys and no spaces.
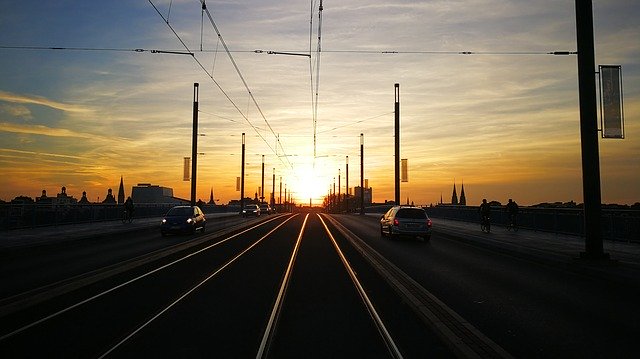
{"x":28,"y":237}
{"x":565,"y":246}
{"x":556,"y":249}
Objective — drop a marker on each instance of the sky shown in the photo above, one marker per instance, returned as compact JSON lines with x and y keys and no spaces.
{"x":503,"y":120}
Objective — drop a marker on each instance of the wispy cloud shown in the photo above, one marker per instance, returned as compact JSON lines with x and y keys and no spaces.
{"x":51,"y":131}
{"x":38,"y":100}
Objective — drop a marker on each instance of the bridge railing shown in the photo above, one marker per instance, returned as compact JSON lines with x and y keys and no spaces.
{"x":15,"y":216}
{"x":623,"y":225}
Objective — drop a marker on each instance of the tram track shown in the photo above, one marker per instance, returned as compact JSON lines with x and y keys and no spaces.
{"x":291,"y":286}
{"x":118,"y":298}
{"x":350,"y":327}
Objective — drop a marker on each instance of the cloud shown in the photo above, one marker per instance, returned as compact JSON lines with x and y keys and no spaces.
{"x":17,"y":111}
{"x":50,"y":131}
{"x":38,"y":100}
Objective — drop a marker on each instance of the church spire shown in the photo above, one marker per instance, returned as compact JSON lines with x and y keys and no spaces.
{"x":454,"y":196}
{"x":211,"y":201}
{"x":121,"y":192}
{"x":463,"y":198}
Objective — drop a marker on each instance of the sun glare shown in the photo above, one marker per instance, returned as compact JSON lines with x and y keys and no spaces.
{"x":310,"y":184}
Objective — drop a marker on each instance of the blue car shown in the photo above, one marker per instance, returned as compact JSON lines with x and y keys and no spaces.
{"x":183,"y":219}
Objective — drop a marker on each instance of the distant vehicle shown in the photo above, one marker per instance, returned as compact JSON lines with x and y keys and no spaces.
{"x":251,"y":210}
{"x":406,"y":221}
{"x":265,"y":208}
{"x":183,"y":219}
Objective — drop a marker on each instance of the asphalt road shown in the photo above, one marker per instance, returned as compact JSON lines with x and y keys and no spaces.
{"x":215,"y":294}
{"x":215,"y":298}
{"x":531,"y":309}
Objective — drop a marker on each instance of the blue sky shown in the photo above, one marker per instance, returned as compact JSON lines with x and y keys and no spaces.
{"x":504,"y":123}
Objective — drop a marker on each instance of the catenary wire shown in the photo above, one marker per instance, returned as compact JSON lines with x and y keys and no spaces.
{"x":216,"y":82}
{"x":235,"y":65}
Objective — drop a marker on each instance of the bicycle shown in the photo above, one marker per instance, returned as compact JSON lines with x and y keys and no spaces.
{"x":512,"y":225}
{"x":485,"y":224}
{"x":127,"y":217}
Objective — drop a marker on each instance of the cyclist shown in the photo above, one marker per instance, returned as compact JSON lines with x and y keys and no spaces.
{"x":485,"y":216}
{"x":129,"y":209}
{"x":512,"y":212}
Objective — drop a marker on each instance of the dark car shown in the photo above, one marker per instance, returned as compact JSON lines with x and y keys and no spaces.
{"x":183,"y":219}
{"x":406,"y":221}
{"x":265,"y":208}
{"x":251,"y":210}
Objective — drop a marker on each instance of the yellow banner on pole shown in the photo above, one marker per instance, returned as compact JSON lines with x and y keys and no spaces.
{"x":187,"y":169}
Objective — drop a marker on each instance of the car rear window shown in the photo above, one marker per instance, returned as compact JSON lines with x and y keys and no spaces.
{"x":411,"y":213}
{"x":180,"y":211}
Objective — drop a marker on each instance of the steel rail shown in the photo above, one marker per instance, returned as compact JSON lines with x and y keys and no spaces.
{"x":269,"y":332}
{"x":215,"y":273}
{"x":103,"y":293}
{"x":384,"y":333}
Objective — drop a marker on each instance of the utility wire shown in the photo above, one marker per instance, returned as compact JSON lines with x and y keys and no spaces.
{"x":235,"y":65}
{"x":364,"y":52}
{"x":213,"y":79}
{"x":317,"y":82}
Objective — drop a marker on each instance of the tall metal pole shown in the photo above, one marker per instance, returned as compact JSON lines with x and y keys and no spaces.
{"x":589,"y":131}
{"x":273,"y":189}
{"x":362,"y":174}
{"x":262,"y":188}
{"x":335,"y":203}
{"x":339,"y":188}
{"x":397,"y":144}
{"x":242,"y":178}
{"x":280,"y":196}
{"x":347,"y":189}
{"x":194,"y":145}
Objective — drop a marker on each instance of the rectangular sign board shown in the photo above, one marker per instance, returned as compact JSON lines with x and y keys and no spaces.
{"x":404,"y":172}
{"x":187,"y":170}
{"x":611,"y":110}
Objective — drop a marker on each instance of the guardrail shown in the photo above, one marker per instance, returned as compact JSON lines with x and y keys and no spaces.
{"x":15,"y":216}
{"x":620,"y":225}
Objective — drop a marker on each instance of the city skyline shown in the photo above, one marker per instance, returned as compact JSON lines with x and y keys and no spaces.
{"x":481,"y":100}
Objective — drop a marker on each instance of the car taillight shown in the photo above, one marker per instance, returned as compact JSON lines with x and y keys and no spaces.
{"x":429,"y":223}
{"x":396,"y":222}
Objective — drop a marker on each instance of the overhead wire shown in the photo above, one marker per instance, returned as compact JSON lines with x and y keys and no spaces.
{"x":317,"y":82}
{"x":214,"y":80}
{"x":365,"y":52}
{"x":235,"y":65}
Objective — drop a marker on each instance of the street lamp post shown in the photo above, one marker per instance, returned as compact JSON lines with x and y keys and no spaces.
{"x":242,"y":177}
{"x":347,"y":187}
{"x":362,"y":174}
{"x":589,"y":131}
{"x":397,"y":145}
{"x":194,"y":145}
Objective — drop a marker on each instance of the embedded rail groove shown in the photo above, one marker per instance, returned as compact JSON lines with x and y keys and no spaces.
{"x":278,"y":308}
{"x":100,"y":276}
{"x":460,"y":336}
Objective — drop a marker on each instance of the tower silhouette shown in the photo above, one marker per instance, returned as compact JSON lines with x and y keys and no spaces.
{"x":121,"y":192}
{"x":454,"y":196}
{"x":463,"y":198}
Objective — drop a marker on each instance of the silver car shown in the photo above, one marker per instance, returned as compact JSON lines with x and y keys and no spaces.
{"x":406,"y":221}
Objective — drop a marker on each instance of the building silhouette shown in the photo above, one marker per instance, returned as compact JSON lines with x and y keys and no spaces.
{"x":109,"y":199}
{"x":84,"y":199}
{"x":463,"y":198}
{"x":454,"y":196}
{"x":121,"y":192}
{"x":211,"y":200}
{"x":148,"y":193}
